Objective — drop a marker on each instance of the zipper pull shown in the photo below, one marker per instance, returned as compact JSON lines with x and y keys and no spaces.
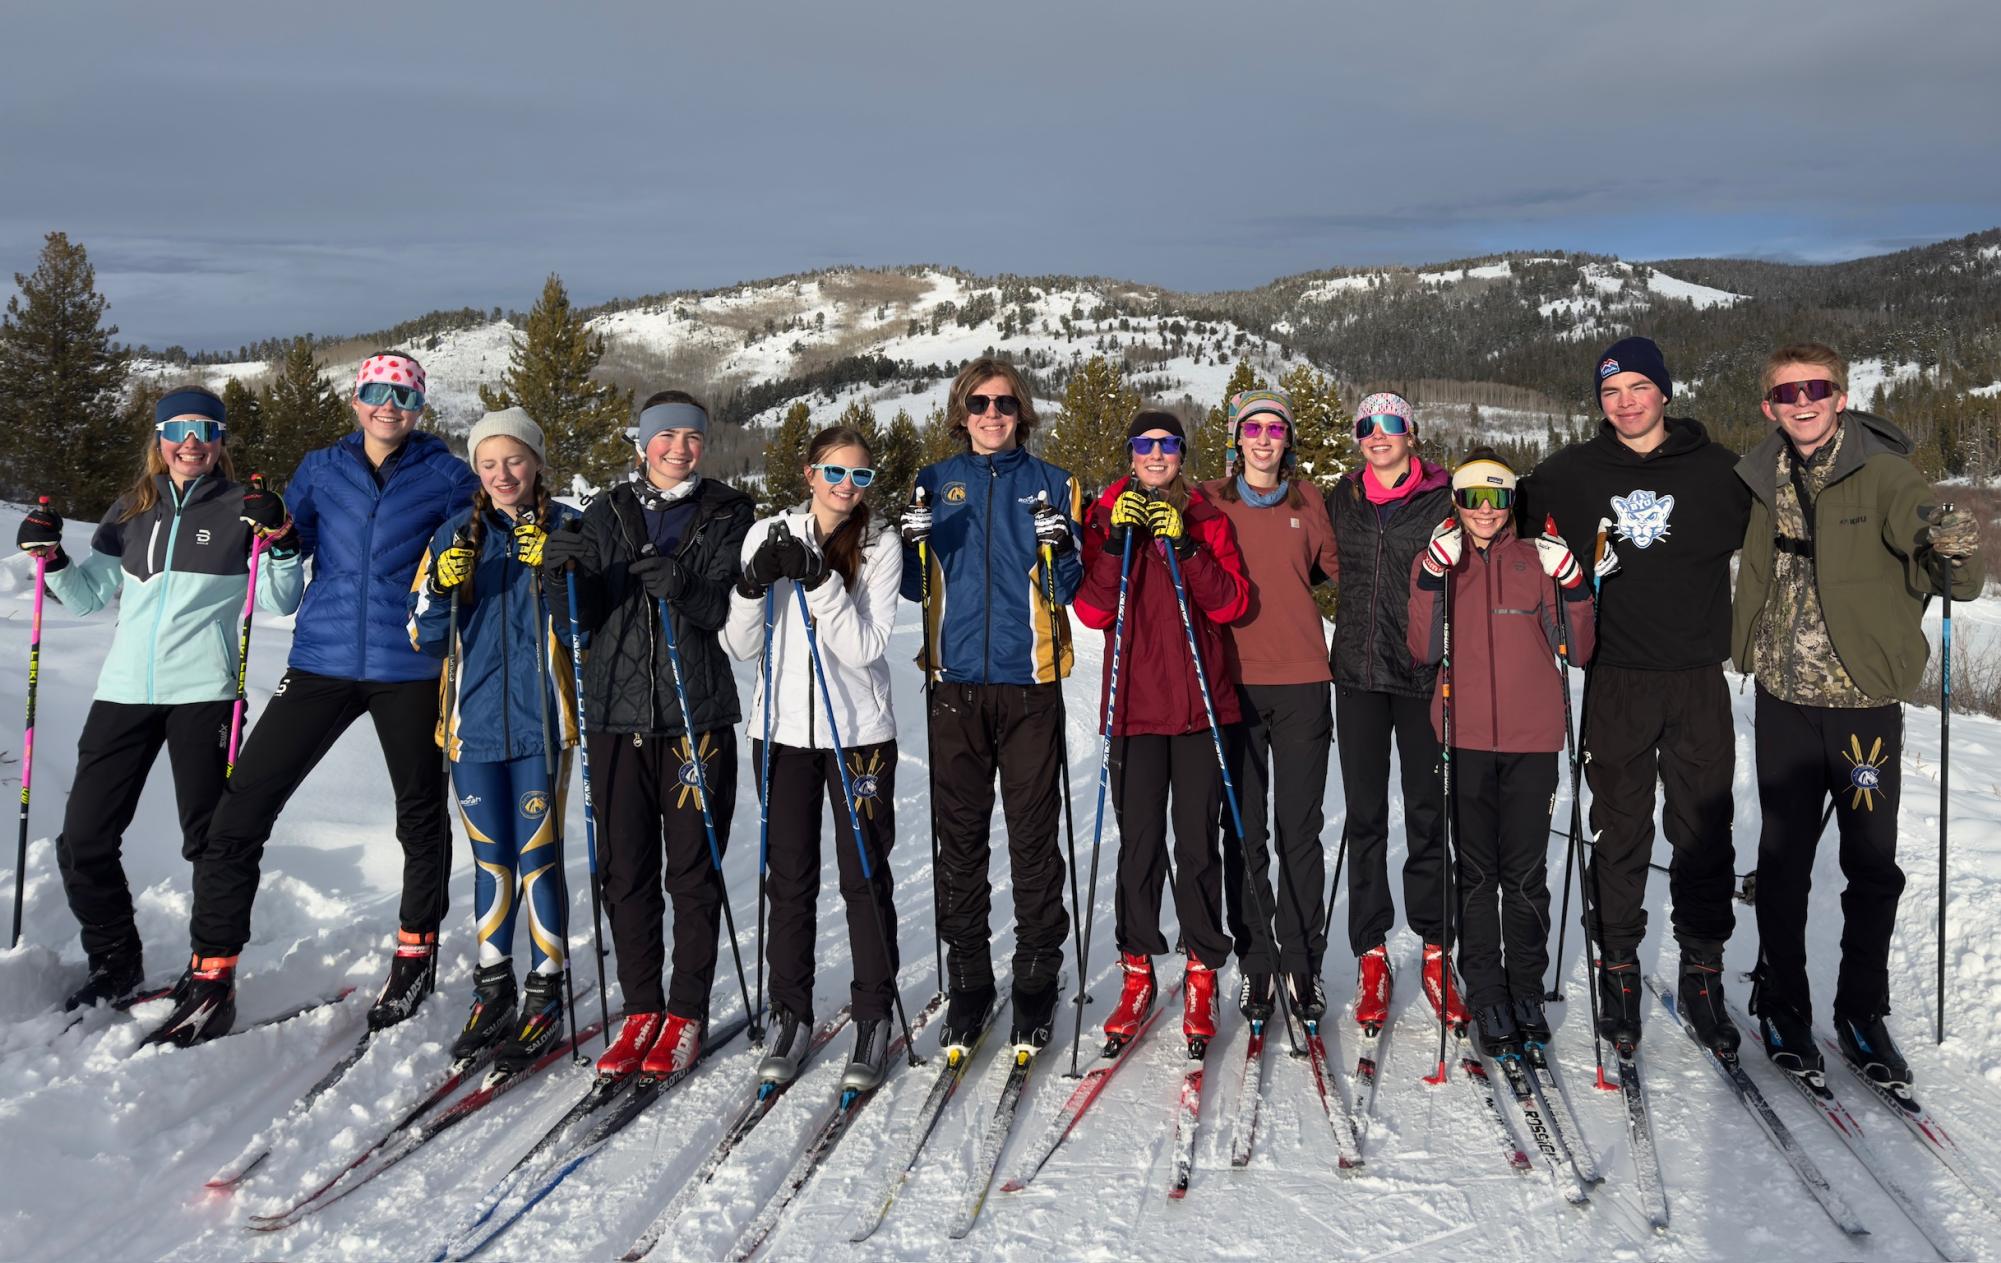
{"x":638,"y":743}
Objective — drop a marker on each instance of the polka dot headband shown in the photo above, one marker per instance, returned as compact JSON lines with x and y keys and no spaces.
{"x":397,"y":370}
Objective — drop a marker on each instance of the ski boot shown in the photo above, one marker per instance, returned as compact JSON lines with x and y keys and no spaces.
{"x":1135,"y":999}
{"x":1619,"y":997}
{"x":492,"y":1010}
{"x":113,"y":976}
{"x":1034,"y":1017}
{"x":1372,"y":989}
{"x":1532,"y":1020}
{"x":1499,"y":1036}
{"x":1699,"y":995}
{"x":871,"y":1060}
{"x":205,"y":1008}
{"x":1198,"y":1007}
{"x":678,"y":1048}
{"x":1257,"y":996}
{"x":1788,"y":1040}
{"x":409,"y":979}
{"x":636,"y":1035}
{"x":1307,"y":995}
{"x":966,"y":1014}
{"x":786,"y":1051}
{"x":536,"y":1027}
{"x":1436,"y":967}
{"x":1867,"y":1043}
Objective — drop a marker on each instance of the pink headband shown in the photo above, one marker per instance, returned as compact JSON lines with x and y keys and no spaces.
{"x":398,"y":370}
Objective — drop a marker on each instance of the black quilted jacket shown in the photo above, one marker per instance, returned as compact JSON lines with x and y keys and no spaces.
{"x":1369,"y":650}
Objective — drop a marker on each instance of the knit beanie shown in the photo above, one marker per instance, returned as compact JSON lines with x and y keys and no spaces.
{"x":1634,"y":355}
{"x":1389,"y":404}
{"x":1152,"y":419}
{"x":1246,"y":404}
{"x":1483,"y":467}
{"x":511,"y":423}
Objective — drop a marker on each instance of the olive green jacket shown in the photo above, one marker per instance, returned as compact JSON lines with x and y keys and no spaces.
{"x":1871,"y":569}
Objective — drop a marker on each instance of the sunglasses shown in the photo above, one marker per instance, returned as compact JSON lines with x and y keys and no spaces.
{"x":835,"y":474}
{"x":1261,"y":429}
{"x":181,"y":430}
{"x":1365,"y":426}
{"x":1147,"y":445}
{"x":374,"y":394}
{"x":1483,"y":497}
{"x":1006,"y":405}
{"x":1800,"y":392}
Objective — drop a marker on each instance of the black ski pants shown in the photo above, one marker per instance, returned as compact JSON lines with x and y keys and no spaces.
{"x":307,"y":714}
{"x":653,"y":845}
{"x":1806,"y":753}
{"x":1364,"y":724}
{"x":802,"y":782}
{"x":1674,"y":725}
{"x":113,"y":757}
{"x":1279,"y":750}
{"x":1500,"y":834}
{"x":1147,"y":771}
{"x":1015,"y":730}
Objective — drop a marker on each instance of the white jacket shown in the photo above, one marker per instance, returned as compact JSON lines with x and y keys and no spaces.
{"x":853,"y":629}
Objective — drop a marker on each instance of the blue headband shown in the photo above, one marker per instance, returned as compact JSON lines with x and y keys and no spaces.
{"x":662,"y":417}
{"x":181,"y":403}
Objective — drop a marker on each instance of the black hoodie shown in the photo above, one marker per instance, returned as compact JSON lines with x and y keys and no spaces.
{"x":1678,"y":512}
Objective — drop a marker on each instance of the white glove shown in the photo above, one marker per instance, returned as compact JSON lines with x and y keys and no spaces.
{"x":916,"y":524}
{"x":1442,"y":553}
{"x":1555,"y":556}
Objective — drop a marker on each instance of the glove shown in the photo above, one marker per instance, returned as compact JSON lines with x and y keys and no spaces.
{"x":565,"y":548}
{"x":41,"y":533}
{"x":1128,"y":516}
{"x":1608,"y":557}
{"x":1052,"y":529}
{"x":1442,"y":553}
{"x":1557,"y":561}
{"x":1166,"y":522}
{"x":799,"y":563}
{"x":763,"y":570}
{"x":1954,"y":536}
{"x":662,"y":577}
{"x":916,"y":525}
{"x":531,"y":544}
{"x":264,"y":510}
{"x":452,"y":567}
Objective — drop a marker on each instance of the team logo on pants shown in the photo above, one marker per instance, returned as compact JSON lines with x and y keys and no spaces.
{"x":865,"y":777}
{"x":692,"y":778}
{"x":1865,"y":775}
{"x":533,"y":805}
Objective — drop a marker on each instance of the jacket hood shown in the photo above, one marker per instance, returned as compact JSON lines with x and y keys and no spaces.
{"x":1684,"y":435}
{"x":1868,"y":436}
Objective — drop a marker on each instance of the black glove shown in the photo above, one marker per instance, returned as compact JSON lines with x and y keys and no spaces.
{"x":799,"y":563}
{"x":1052,"y":528}
{"x":42,"y":531}
{"x":562,"y":550}
{"x":764,"y":569}
{"x":264,"y":510}
{"x":663,"y":578}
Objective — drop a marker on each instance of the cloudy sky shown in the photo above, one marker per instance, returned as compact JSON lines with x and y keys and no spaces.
{"x":245,"y":170}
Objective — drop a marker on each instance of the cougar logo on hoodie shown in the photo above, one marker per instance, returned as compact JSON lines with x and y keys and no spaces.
{"x":1643,"y":517}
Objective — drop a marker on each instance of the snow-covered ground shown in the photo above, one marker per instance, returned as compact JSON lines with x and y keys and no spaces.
{"x":106,"y":1150}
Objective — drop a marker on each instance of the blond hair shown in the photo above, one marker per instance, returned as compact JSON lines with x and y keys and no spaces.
{"x":975,"y":373}
{"x":1814,"y":353}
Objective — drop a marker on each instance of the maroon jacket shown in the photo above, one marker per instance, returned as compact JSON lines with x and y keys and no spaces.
{"x":1157,"y":686}
{"x":1507,"y":689}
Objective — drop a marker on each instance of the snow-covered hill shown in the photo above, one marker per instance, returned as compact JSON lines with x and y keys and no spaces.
{"x":106,"y":1150}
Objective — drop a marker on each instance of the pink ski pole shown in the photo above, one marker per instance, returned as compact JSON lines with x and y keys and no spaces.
{"x":28,"y":739}
{"x":243,"y":657}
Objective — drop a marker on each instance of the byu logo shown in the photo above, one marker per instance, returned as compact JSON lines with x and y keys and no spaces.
{"x":1643,"y":517}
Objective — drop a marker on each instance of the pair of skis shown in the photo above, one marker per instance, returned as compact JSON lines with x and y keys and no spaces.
{"x":1344,"y":1124}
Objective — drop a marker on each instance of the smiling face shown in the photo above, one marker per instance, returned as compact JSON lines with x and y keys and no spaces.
{"x":190,"y":458}
{"x":507,"y":469}
{"x":1264,"y":452}
{"x":1385,"y":452}
{"x":1482,"y":524}
{"x":385,"y":423}
{"x":1808,"y":423}
{"x":837,"y":499}
{"x":1156,"y":468}
{"x":989,"y":432}
{"x":1636,"y":408}
{"x":671,"y":456}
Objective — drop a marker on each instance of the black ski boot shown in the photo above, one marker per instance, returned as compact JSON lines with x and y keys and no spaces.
{"x":204,"y":1008}
{"x":1619,"y":992}
{"x":1867,"y":1043}
{"x":1789,"y":1040}
{"x":1532,"y":1020}
{"x":966,"y":1013}
{"x":536,"y":1026}
{"x":492,"y":1010}
{"x":871,"y":1060}
{"x":1034,"y":1017}
{"x":113,"y":976}
{"x":1699,"y":996}
{"x":1499,"y":1036}
{"x":785,"y":1050}
{"x":1257,"y":996}
{"x":409,"y":979}
{"x":1306,"y":994}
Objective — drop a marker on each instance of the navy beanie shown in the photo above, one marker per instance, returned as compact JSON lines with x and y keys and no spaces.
{"x":1634,"y":355}
{"x":190,"y":401}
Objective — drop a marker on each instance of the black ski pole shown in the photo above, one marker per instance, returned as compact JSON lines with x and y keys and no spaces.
{"x":590,"y":808}
{"x":930,"y":632}
{"x":1446,"y":876}
{"x":28,"y":740}
{"x":1056,"y":623}
{"x":1944,"y":765}
{"x":549,"y":764}
{"x":1555,"y":992}
{"x":764,"y":783}
{"x":1104,"y":780}
{"x":446,"y":707}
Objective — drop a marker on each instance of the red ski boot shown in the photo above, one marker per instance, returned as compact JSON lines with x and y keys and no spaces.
{"x":1434,"y":964}
{"x":677,"y":1049}
{"x":1198,"y":1006}
{"x":1372,"y":989}
{"x":636,"y":1035}
{"x":1135,"y":998}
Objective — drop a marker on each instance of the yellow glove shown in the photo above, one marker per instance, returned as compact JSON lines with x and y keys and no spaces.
{"x":528,"y":540}
{"x":1129,"y":509}
{"x":453,"y":567}
{"x":1167,"y":524}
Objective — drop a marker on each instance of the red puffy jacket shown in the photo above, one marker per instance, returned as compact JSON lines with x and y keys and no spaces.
{"x":1157,"y":686}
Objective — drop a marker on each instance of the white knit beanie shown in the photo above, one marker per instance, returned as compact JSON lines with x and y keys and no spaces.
{"x":512,"y":423}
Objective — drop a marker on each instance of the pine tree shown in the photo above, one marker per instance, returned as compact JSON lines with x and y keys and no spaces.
{"x":785,"y":461}
{"x":300,"y":412}
{"x":246,"y":430}
{"x":1322,"y":433}
{"x":1088,"y":437}
{"x":549,"y":374}
{"x":941,"y":441}
{"x":62,"y":380}
{"x":899,"y":454}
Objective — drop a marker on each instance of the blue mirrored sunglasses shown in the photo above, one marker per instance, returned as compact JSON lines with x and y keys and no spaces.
{"x":181,"y":429}
{"x":1146,"y":444}
{"x":1387,"y":423}
{"x":834,"y":474}
{"x":374,"y":394}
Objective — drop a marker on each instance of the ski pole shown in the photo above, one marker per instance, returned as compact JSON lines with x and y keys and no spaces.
{"x":445,"y":770}
{"x":1555,"y":992}
{"x":257,"y":548}
{"x":764,"y":787}
{"x":930,"y":750}
{"x":542,"y":637}
{"x":1944,"y":769}
{"x":702,"y":797}
{"x":1104,"y":779}
{"x":1446,"y":875}
{"x":887,"y":944}
{"x":1063,"y":753}
{"x":28,"y":737}
{"x":590,"y":812}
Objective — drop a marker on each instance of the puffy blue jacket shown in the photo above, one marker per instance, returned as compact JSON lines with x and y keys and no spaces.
{"x":495,"y":689}
{"x":364,"y":542}
{"x":989,"y":616}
